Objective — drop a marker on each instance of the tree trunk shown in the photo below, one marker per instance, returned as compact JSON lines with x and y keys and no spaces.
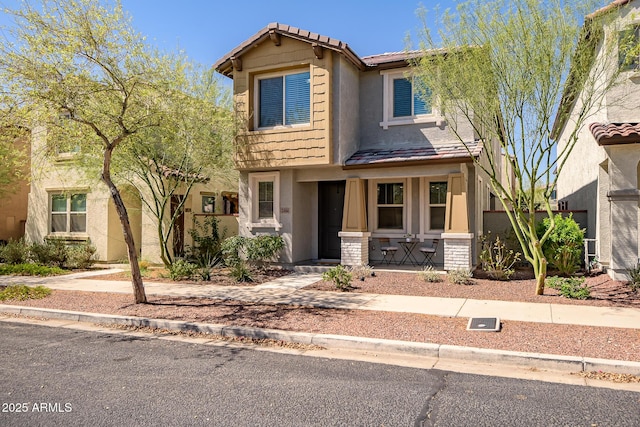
{"x":136,"y":277}
{"x":540,"y":269}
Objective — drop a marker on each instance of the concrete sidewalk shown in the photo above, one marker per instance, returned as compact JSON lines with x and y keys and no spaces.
{"x":288,"y":290}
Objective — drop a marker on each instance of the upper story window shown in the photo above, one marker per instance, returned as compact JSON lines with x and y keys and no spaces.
{"x":284,"y":99}
{"x":403,"y":103}
{"x":628,"y":48}
{"x":406,"y":101}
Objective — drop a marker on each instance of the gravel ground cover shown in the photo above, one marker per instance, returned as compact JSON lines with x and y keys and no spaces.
{"x":599,"y":342}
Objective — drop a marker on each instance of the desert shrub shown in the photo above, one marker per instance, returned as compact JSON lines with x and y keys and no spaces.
{"x":257,"y":250}
{"x":241,"y":272}
{"x":340,"y":276}
{"x":14,"y":252}
{"x":232,"y":250}
{"x":207,"y":241}
{"x":460,"y":277}
{"x":263,"y":249}
{"x":496,"y":259}
{"x":361,"y":271}
{"x":634,"y":278}
{"x":563,"y":248}
{"x":23,"y":292}
{"x":28,"y":269}
{"x":181,"y":269}
{"x":428,"y":274}
{"x":569,"y":287}
{"x":81,"y":255}
{"x":51,"y":252}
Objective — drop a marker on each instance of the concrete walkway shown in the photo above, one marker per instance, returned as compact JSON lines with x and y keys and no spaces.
{"x":288,"y":290}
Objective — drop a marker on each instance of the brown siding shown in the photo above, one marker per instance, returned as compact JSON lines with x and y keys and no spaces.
{"x":298,"y":146}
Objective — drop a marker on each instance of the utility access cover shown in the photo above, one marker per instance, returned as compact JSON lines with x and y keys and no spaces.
{"x":488,"y":324}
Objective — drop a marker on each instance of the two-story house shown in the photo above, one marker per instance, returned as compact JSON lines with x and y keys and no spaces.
{"x":338,"y":151}
{"x":602,"y":173}
{"x":64,"y":203}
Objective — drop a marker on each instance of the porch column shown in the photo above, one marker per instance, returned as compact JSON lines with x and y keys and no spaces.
{"x":354,"y":237}
{"x":457,"y":237}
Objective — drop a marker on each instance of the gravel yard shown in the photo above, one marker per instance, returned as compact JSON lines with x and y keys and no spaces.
{"x":609,"y":343}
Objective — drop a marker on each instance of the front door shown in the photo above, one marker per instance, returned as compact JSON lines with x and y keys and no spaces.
{"x":330,"y":207}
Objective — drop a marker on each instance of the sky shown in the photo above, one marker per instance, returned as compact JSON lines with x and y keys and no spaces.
{"x":208,"y":29}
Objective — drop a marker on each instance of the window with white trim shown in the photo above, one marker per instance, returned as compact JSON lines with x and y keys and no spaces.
{"x":283,"y":99}
{"x":437,"y":204}
{"x":390,"y":205}
{"x":403,"y":103}
{"x":68,"y":213}
{"x":264,"y":199}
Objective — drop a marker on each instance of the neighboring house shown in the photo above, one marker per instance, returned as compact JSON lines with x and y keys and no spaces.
{"x":13,"y":204}
{"x":63,"y":204}
{"x":339,"y":151}
{"x":602,"y":174}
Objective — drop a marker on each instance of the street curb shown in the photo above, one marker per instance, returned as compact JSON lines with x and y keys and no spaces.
{"x":438,"y":351}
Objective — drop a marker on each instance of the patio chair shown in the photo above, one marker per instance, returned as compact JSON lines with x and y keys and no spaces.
{"x":388,"y":251}
{"x":429,"y":252}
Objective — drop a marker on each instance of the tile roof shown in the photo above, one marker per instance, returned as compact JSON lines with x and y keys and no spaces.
{"x":391,"y":157}
{"x":223,"y":65}
{"x":615,"y":133}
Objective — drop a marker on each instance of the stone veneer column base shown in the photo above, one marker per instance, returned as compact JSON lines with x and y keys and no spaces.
{"x":457,"y":251}
{"x":354,"y":247}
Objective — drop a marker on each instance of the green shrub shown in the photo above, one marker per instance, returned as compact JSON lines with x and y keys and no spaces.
{"x":181,"y":269}
{"x":241,"y":272}
{"x":563,"y":248}
{"x":257,"y":250}
{"x":14,"y":252}
{"x":569,"y":287}
{"x":81,"y":256}
{"x":428,"y":274}
{"x":340,"y":277}
{"x":496,"y":259}
{"x":29,"y":270}
{"x":52,"y":252}
{"x":231,"y":250}
{"x":263,"y":249}
{"x":634,"y":276}
{"x":460,"y":277}
{"x":207,"y":241}
{"x":23,"y":292}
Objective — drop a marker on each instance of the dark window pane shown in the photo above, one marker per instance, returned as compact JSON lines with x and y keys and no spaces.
{"x":390,"y":218}
{"x":437,"y":218}
{"x":271,"y":99}
{"x":401,"y":98}
{"x":390,"y":194}
{"x":297,"y":98}
{"x":265,"y":199}
{"x":438,"y":193}
{"x":419,"y":105}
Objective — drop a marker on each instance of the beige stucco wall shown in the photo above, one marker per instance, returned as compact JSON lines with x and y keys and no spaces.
{"x":103,"y":225}
{"x":284,"y":146}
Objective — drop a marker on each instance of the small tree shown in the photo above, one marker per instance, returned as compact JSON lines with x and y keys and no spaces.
{"x":81,"y":60}
{"x":501,"y":66}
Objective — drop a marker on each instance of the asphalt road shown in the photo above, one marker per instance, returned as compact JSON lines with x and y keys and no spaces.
{"x":63,"y":377}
